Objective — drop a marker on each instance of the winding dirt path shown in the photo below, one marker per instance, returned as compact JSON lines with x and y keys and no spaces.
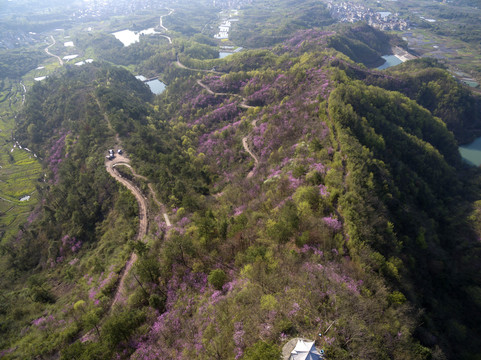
{"x":182,"y":66}
{"x":110,"y":165}
{"x":161,"y":25}
{"x":24,"y":92}
{"x":256,"y":161}
{"x":200,"y":83}
{"x":49,"y":53}
{"x":161,"y":21}
{"x":161,"y":206}
{"x":143,"y":223}
{"x":244,"y":105}
{"x":167,"y":37}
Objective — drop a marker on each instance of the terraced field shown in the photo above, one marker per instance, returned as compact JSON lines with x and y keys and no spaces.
{"x":20,"y":170}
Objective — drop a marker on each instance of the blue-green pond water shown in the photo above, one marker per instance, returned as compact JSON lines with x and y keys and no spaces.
{"x":391,"y":60}
{"x":156,"y":86}
{"x":471,"y":153}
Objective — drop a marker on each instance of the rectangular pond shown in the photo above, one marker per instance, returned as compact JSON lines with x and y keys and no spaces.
{"x":223,"y":54}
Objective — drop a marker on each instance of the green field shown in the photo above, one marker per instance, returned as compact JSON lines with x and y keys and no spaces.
{"x":19,"y":171}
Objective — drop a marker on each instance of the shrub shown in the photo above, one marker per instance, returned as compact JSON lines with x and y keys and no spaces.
{"x":262,"y":351}
{"x":217,"y":278}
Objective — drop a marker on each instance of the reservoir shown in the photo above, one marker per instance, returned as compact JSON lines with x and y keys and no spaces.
{"x":471,"y":153}
{"x":129,"y":37}
{"x":391,"y":60}
{"x":156,"y":86}
{"x":223,"y":54}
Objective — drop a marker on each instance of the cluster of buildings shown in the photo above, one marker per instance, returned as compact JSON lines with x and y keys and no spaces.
{"x":231,"y":4}
{"x":352,"y":12}
{"x":226,"y":23}
{"x":224,"y":28}
{"x":87,"y":10}
{"x":104,"y":8}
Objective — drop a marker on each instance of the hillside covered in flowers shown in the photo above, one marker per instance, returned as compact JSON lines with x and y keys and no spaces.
{"x":309,"y":196}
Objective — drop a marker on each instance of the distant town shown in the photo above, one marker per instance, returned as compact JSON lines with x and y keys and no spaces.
{"x":351,"y":12}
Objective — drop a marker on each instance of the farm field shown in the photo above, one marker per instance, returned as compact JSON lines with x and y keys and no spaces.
{"x":20,"y":170}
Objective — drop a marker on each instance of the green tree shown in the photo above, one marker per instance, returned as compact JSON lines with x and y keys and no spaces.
{"x":262,"y":350}
{"x":217,"y":278}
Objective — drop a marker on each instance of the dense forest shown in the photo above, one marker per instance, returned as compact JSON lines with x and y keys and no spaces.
{"x":363,"y":44}
{"x":15,"y":63}
{"x":309,"y":195}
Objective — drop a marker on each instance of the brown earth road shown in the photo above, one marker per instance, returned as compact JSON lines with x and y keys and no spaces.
{"x":122,"y":160}
{"x":121,"y":163}
{"x":49,"y":53}
{"x":168,"y":38}
{"x":182,"y":66}
{"x":143,"y":223}
{"x":161,"y":21}
{"x":245,"y":106}
{"x":160,"y":205}
{"x":256,"y":161}
{"x":152,"y":191}
{"x":242,"y":104}
{"x":142,"y":201}
{"x":200,"y":83}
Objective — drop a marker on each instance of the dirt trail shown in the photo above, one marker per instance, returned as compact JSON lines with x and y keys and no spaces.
{"x":245,"y":106}
{"x":182,"y":66}
{"x":243,"y":103}
{"x":161,"y":22}
{"x":168,"y":38}
{"x":160,"y":205}
{"x":256,"y":161}
{"x":49,"y":53}
{"x":24,"y":92}
{"x":126,"y":164}
{"x":143,"y":223}
{"x":142,"y":201}
{"x":152,"y":191}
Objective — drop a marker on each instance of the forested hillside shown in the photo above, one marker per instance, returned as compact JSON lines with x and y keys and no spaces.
{"x":363,"y":44}
{"x":308,"y":196}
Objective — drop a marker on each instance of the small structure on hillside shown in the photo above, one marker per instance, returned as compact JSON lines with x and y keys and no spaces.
{"x":301,"y":349}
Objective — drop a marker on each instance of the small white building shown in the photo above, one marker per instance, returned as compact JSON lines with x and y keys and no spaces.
{"x":222,"y":35}
{"x":301,"y":349}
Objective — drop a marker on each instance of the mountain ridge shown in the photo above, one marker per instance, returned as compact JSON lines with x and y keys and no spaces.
{"x":354,"y":187}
